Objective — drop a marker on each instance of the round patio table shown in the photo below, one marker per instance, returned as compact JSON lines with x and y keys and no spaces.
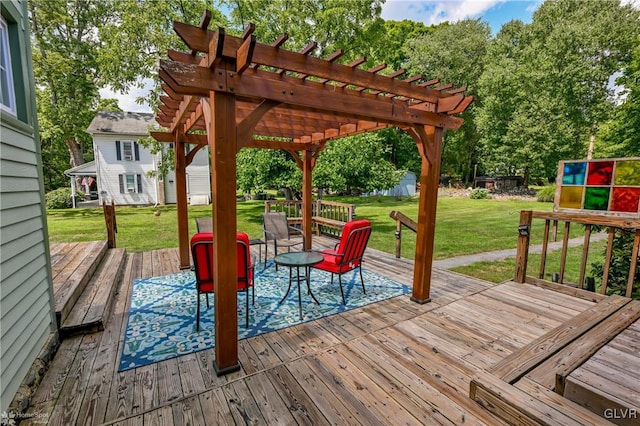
{"x":299,"y":259}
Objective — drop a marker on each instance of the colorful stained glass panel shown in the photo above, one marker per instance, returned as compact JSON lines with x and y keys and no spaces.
{"x":600,"y":173}
{"x":571,"y":197}
{"x":596,"y":198}
{"x":627,"y":173}
{"x":573,"y":173}
{"x":625,"y":199}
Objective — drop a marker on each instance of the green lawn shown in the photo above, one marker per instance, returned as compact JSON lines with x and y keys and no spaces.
{"x":463,"y":225}
{"x":500,"y":271}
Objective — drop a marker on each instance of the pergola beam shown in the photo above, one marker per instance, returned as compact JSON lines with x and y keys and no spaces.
{"x":192,"y":79}
{"x":198,"y":40}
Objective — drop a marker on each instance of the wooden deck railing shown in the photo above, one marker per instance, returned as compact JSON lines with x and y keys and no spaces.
{"x":612,"y":223}
{"x":110,"y":221}
{"x":401,"y":220}
{"x":328,"y":217}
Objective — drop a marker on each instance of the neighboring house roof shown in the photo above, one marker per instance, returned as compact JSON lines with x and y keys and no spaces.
{"x":86,"y":169}
{"x":122,"y":123}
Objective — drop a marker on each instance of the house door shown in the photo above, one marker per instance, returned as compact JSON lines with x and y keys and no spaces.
{"x":170,"y":196}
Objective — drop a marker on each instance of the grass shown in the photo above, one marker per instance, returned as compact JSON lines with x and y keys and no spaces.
{"x":504,"y":270}
{"x":464,"y":226}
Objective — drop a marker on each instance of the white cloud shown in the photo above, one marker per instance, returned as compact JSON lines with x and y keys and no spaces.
{"x":435,"y":12}
{"x":127,"y":101}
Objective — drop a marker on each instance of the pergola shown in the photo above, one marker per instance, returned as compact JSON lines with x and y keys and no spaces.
{"x":244,"y":94}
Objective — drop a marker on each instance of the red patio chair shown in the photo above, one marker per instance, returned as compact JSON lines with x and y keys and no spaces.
{"x":202,"y":252}
{"x":347,"y":254}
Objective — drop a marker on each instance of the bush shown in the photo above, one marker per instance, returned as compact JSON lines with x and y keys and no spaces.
{"x":620,"y":265}
{"x":546,"y":194}
{"x":479,"y":194}
{"x":60,"y":198}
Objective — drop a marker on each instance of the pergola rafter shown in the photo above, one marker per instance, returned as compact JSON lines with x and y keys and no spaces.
{"x":245,"y":94}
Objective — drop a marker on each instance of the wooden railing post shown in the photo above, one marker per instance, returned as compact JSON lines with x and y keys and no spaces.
{"x":524,"y":234}
{"x":398,"y":239}
{"x":110,"y":221}
{"x":634,"y":263}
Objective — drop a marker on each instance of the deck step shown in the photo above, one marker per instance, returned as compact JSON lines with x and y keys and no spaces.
{"x":94,"y":304}
{"x":72,"y":268}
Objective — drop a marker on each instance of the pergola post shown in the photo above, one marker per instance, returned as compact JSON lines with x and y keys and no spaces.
{"x":429,"y":143}
{"x":181,"y":202}
{"x":264,"y":96}
{"x":219,"y":114}
{"x":307,"y":168}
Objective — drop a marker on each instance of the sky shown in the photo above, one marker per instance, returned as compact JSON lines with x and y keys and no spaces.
{"x":495,"y":12}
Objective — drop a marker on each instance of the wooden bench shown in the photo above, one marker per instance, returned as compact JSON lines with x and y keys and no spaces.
{"x":533,"y":405}
{"x":328,"y":217}
{"x":530,"y":385}
{"x":519,"y":363}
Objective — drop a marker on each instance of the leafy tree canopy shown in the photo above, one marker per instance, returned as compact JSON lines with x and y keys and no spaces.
{"x":356,"y":163}
{"x":455,"y":53}
{"x":545,"y":87}
{"x":261,"y":169}
{"x":333,"y":24}
{"x":621,"y":137}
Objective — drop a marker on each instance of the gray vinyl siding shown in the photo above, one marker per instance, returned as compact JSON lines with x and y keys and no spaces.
{"x":27,"y":315}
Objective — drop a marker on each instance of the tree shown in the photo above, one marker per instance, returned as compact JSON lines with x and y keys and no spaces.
{"x":66,"y":70}
{"x":260,"y":169}
{"x":388,"y":42}
{"x":333,"y":24}
{"x":621,"y":137}
{"x":356,"y":163}
{"x":80,"y":47}
{"x":455,"y":53}
{"x":402,"y":150}
{"x":545,"y":86}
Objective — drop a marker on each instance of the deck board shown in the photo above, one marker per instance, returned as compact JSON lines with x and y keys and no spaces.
{"x":387,"y":363}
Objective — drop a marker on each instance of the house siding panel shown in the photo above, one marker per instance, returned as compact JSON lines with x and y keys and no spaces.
{"x":26,"y":299}
{"x":15,"y":327}
{"x":198,"y":175}
{"x":31,"y":253}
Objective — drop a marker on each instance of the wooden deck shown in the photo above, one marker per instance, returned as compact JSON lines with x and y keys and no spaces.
{"x":393,"y":362}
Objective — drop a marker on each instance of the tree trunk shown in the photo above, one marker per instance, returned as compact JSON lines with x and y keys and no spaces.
{"x":288,"y":194}
{"x":75,"y":152}
{"x":592,"y":143}
{"x":75,"y":157}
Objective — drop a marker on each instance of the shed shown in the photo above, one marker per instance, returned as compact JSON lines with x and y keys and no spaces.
{"x":405,"y":188}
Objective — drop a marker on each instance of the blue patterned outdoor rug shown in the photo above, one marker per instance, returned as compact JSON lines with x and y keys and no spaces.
{"x":162,"y":316}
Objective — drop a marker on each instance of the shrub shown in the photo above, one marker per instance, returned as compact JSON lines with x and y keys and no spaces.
{"x":479,"y":194}
{"x":620,"y":265}
{"x":60,"y":198}
{"x":546,"y":194}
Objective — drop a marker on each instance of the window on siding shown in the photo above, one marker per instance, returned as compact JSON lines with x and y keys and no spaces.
{"x":130,"y":183}
{"x":7,"y":92}
{"x":127,"y":150}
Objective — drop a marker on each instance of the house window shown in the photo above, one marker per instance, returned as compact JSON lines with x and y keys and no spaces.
{"x":127,"y":150}
{"x":130,"y":183}
{"x":7,"y":92}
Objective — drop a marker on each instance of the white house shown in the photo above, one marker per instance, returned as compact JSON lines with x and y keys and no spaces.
{"x":127,"y":172}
